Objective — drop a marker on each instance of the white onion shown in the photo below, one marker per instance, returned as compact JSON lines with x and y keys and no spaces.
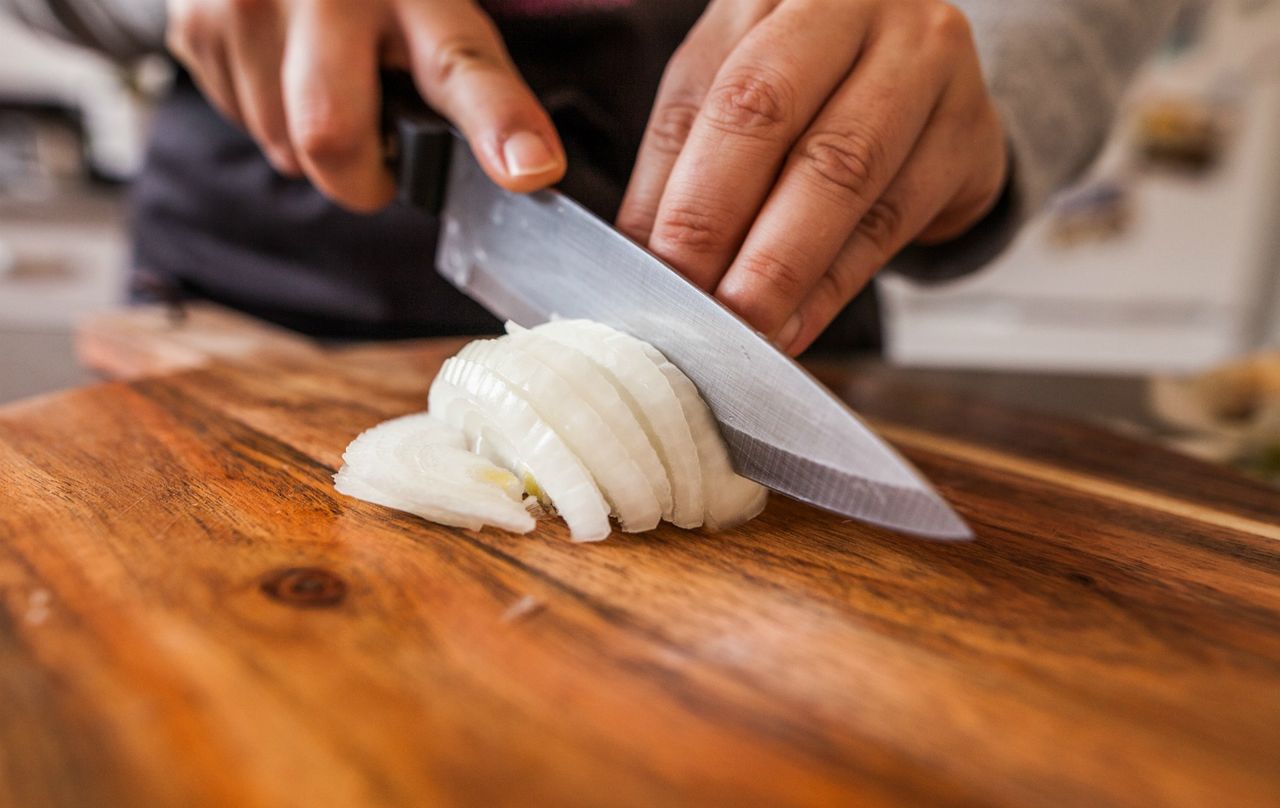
{"x":728,"y":499}
{"x":617,"y":474}
{"x":587,"y":419}
{"x":649,"y":395}
{"x":472,"y":398}
{"x":583,"y":378}
{"x":421,"y":465}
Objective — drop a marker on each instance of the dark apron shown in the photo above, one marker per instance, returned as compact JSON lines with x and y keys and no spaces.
{"x":213,"y":220}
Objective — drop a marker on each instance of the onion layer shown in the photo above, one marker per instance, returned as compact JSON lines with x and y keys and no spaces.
{"x":586,"y":419}
{"x":469,"y":395}
{"x":421,"y":465}
{"x":642,"y":385}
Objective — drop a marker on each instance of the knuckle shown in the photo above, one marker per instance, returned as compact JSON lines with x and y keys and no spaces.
{"x":972,"y":113}
{"x":692,"y":228}
{"x":460,"y":55}
{"x":326,"y":138}
{"x":957,"y":117}
{"x":949,"y":25}
{"x":837,"y":288}
{"x":881,"y":226}
{"x":781,"y":278}
{"x":635,"y":223}
{"x":750,"y":103}
{"x":670,"y":125}
{"x":846,"y":162}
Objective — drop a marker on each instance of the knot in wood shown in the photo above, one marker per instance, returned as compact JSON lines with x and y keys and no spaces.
{"x":304,"y":587}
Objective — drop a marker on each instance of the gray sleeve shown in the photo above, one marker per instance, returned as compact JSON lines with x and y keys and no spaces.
{"x":120,"y":29}
{"x":1056,"y":71}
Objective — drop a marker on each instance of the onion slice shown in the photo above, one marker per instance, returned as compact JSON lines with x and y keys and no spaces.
{"x":590,"y":421}
{"x":475,"y":399}
{"x":578,"y":376}
{"x":620,"y":479}
{"x":421,"y":465}
{"x":729,"y":499}
{"x":654,"y":404}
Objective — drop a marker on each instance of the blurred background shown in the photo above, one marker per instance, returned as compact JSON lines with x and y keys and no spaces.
{"x":1164,"y":260}
{"x":72,"y":130}
{"x":1164,"y":257}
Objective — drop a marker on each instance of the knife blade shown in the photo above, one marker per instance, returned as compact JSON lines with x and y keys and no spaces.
{"x":534,"y":257}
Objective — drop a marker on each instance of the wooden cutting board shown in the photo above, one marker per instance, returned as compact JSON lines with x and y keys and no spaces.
{"x":189,"y":615}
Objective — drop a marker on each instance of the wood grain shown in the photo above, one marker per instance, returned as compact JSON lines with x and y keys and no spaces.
{"x":191,"y":616}
{"x":879,"y":392}
{"x":151,"y":340}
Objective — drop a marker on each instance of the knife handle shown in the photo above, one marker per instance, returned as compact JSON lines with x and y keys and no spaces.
{"x":418,"y":143}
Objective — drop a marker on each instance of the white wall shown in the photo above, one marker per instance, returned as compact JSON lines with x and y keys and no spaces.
{"x":1192,"y":280}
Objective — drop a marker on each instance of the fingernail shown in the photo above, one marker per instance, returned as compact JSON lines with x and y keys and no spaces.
{"x":787,"y":335}
{"x":526,"y":153}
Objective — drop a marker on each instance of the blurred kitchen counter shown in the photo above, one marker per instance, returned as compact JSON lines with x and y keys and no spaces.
{"x":63,"y":254}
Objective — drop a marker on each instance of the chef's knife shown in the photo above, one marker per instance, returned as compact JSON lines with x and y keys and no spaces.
{"x":532,"y":257}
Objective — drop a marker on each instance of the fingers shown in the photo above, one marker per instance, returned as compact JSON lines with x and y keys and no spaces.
{"x":255,"y":48}
{"x":933,"y":192}
{"x":331,"y":100}
{"x":833,"y":177}
{"x":684,"y":85}
{"x":194,"y":39}
{"x":988,"y":176}
{"x":218,"y":85}
{"x":302,"y":78}
{"x":757,"y":106}
{"x":462,"y":68}
{"x":806,"y":189}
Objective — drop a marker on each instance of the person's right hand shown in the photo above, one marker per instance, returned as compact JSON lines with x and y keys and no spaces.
{"x":302,"y":76}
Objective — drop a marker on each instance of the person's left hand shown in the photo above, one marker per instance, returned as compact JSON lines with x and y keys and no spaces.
{"x":796,"y":145}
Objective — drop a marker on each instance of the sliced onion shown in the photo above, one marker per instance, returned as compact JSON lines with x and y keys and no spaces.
{"x":582,"y":378}
{"x":475,"y":399}
{"x":587,"y":419}
{"x":646,"y":391}
{"x":421,"y":465}
{"x":729,"y":498}
{"x":617,"y":474}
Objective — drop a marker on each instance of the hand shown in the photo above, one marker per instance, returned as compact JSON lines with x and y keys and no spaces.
{"x":796,"y":145}
{"x":302,"y":77}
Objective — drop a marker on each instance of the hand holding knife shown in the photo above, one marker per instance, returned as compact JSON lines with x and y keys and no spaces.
{"x":532,"y":257}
